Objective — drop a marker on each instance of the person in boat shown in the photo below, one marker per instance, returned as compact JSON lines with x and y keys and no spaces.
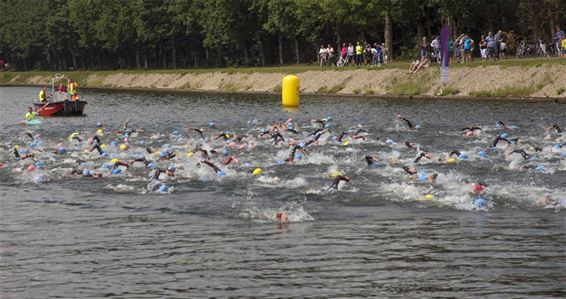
{"x":61,"y":88}
{"x":43,"y":95}
{"x":72,"y":89}
{"x":30,"y":114}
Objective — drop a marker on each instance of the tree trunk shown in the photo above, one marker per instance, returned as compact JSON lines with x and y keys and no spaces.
{"x":261,"y":52}
{"x":138,"y":64}
{"x":338,"y":39}
{"x":174,"y":58}
{"x":388,"y":36}
{"x":145,"y":60}
{"x":297,"y":56}
{"x":75,"y":67}
{"x":246,"y":54}
{"x":280,"y":48}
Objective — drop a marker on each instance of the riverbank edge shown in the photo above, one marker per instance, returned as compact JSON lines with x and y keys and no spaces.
{"x":519,"y":83}
{"x":556,"y":100}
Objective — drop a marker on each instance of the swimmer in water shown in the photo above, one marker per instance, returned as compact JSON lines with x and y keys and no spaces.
{"x":372,"y":160}
{"x":229,"y":160}
{"x":338,"y":179}
{"x":407,"y":122}
{"x":520,"y":151}
{"x":497,"y":139}
{"x":554,"y":128}
{"x":479,"y":188}
{"x":199,"y":131}
{"x":291,"y":157}
{"x":212,"y":165}
{"x":411,"y":145}
{"x":24,"y":156}
{"x":421,"y":155}
{"x":410,"y":170}
{"x":281,"y":217}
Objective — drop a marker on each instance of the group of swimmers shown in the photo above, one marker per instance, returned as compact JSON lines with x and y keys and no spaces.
{"x":216,"y":150}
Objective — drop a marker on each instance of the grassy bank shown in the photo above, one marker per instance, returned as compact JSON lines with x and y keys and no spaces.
{"x":509,"y":78}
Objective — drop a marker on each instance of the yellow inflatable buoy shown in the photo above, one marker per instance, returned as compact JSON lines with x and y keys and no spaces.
{"x":123,"y":147}
{"x":190,"y":154}
{"x":451,"y":160}
{"x":290,"y":91}
{"x":257,"y":171}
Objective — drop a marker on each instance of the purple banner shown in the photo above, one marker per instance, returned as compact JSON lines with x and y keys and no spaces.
{"x":445,"y":34}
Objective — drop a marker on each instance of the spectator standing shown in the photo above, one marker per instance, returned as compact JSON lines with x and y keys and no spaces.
{"x":322,"y":55}
{"x":330,"y":53}
{"x":384,"y":53}
{"x":498,"y":39}
{"x":491,"y":50}
{"x":344,"y":51}
{"x":558,"y":37}
{"x":424,"y":48}
{"x":468,"y":45}
{"x":435,"y":45}
{"x":483,"y":48}
{"x":350,"y":53}
{"x":359,"y":53}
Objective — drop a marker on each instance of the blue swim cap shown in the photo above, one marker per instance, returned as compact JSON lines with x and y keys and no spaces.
{"x":298,"y":156}
{"x":175,"y":132}
{"x":253,"y":121}
{"x":514,"y":127}
{"x":504,"y":135}
{"x":564,"y":154}
{"x":328,"y":126}
{"x":99,"y":125}
{"x":162,"y":154}
{"x":117,"y":171}
{"x":329,"y":118}
{"x":86,"y":172}
{"x":39,"y":178}
{"x":224,"y":152}
{"x":480,"y":202}
{"x":556,"y":146}
{"x":39,"y":164}
{"x":106,"y":165}
{"x":334,"y":138}
{"x":540,"y":168}
{"x":142,"y":142}
{"x":62,"y":150}
{"x":422,"y":178}
{"x":151,"y":165}
{"x":482,"y":154}
{"x":220,"y":173}
{"x":263,"y":130}
{"x":163,"y":189}
{"x":113,"y":143}
{"x":211,"y":125}
{"x":301,"y":144}
{"x":172,"y":167}
{"x":280,"y":162}
{"x":246,"y":164}
{"x":417,"y":126}
{"x":463,"y":156}
{"x":167,"y":145}
{"x":389,"y":141}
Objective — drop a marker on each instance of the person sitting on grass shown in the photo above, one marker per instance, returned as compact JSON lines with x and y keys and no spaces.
{"x":417,"y":65}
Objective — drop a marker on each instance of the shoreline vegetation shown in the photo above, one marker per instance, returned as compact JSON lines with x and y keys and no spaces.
{"x":510,"y":79}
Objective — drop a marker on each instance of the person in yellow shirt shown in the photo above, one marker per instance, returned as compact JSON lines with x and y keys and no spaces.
{"x":31,"y":114}
{"x":359,"y":53}
{"x":72,"y":89}
{"x":43,"y":96}
{"x":564,"y":48}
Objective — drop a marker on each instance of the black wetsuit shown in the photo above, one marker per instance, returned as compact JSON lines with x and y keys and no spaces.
{"x":409,"y":171}
{"x":523,"y":153}
{"x":409,"y":124}
{"x":212,"y":165}
{"x":370,"y":160}
{"x":497,"y":139}
{"x":338,"y":179}
{"x":97,"y":147}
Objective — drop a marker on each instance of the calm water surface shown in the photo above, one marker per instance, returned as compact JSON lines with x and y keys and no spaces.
{"x":74,"y":238}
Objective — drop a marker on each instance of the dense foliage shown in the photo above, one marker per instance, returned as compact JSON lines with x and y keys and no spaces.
{"x":96,"y":34}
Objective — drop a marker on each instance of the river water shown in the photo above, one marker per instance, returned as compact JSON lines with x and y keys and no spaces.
{"x":215,"y":236}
